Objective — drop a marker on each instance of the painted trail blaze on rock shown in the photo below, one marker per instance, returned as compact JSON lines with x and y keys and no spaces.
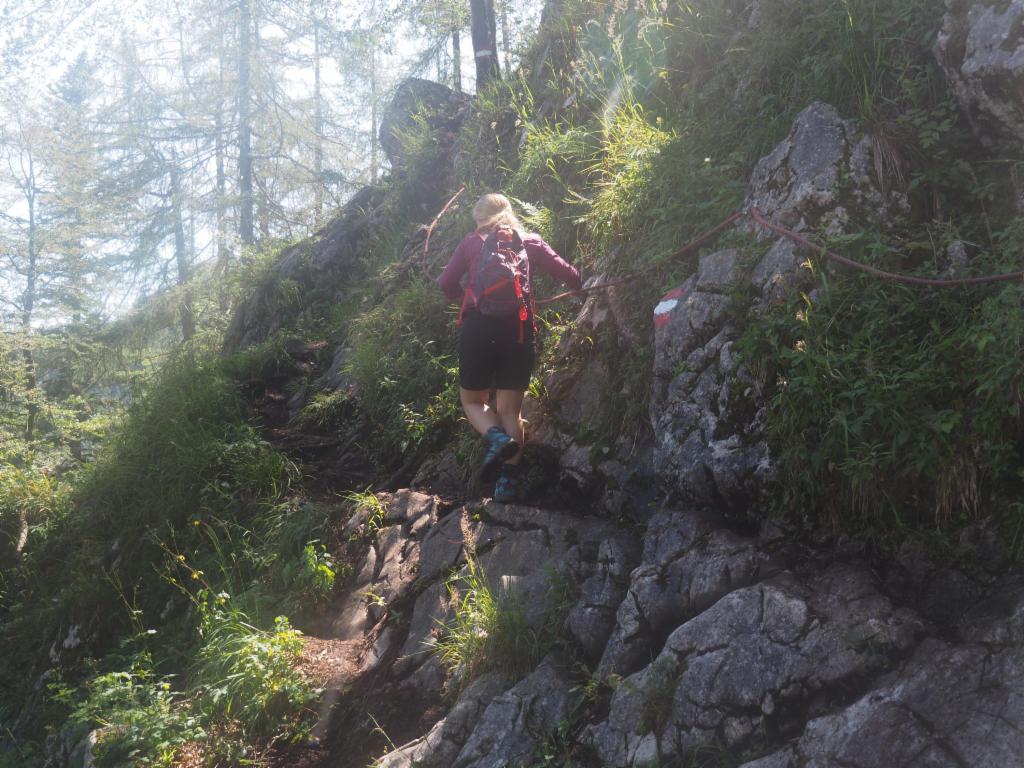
{"x":663,"y":311}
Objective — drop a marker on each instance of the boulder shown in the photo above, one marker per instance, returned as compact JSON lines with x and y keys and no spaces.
{"x":820,"y":177}
{"x":420,"y":105}
{"x":981,"y":50}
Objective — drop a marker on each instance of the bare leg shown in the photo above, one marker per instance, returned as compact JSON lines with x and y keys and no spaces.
{"x":510,"y":404}
{"x":475,"y":405}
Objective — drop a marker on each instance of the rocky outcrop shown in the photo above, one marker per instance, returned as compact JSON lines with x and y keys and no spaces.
{"x":613,"y":469}
{"x":400,"y":597}
{"x":707,"y":409}
{"x":442,"y":745}
{"x":981,"y":50}
{"x":319,"y":263}
{"x":516,"y":721}
{"x":708,"y":640}
{"x":707,"y":435}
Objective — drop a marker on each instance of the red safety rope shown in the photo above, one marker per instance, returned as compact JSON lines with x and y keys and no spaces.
{"x":757,"y":216}
{"x":895,"y":277}
{"x":683,"y":251}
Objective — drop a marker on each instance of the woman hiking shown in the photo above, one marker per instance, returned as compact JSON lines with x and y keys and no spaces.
{"x":497,"y":330}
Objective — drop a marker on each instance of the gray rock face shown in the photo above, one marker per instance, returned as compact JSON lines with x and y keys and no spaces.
{"x":521,"y":550}
{"x":575,"y":391}
{"x":689,"y":563}
{"x":981,"y":50}
{"x":515,"y":721}
{"x":392,"y":564}
{"x":592,"y":620}
{"x":709,"y":639}
{"x":441,"y":746}
{"x":819,"y":174}
{"x":703,"y":441}
{"x":754,"y":654}
{"x":998,"y":620}
{"x":949,"y":707}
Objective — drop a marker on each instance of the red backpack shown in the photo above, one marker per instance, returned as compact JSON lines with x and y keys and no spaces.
{"x":499,"y":282}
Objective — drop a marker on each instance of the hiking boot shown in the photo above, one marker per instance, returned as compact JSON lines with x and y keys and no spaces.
{"x":507,"y":490}
{"x":499,"y":448}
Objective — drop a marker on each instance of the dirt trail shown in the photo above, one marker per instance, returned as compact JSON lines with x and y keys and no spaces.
{"x":359,"y":715}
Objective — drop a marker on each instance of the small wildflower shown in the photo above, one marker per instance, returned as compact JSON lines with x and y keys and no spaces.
{"x":181,"y":558}
{"x":195,"y":523}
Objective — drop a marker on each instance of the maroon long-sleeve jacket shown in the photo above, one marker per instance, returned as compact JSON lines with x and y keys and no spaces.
{"x":539,"y":254}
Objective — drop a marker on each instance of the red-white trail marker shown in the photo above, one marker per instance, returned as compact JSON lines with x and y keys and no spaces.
{"x":668,"y":302}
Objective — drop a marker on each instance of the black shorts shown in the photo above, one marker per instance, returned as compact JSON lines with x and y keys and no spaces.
{"x":490,"y":354}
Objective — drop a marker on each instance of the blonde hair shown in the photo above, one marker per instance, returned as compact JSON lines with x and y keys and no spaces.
{"x":494,"y":210}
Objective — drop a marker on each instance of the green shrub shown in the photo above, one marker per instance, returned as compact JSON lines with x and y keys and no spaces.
{"x":309,"y":577}
{"x":489,"y":629}
{"x":183,"y":457}
{"x":247,"y":675}
{"x":29,"y":501}
{"x":270,"y":561}
{"x":262,"y":362}
{"x":326,"y":410}
{"x":243,"y":689}
{"x":895,"y":408}
{"x":404,"y":369}
{"x":622,"y":171}
{"x":141,"y":720}
{"x":376,"y":508}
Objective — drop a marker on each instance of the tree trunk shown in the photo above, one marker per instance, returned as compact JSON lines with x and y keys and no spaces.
{"x":245,"y":222}
{"x":223,"y":255}
{"x":181,"y":257}
{"x":373,"y":115}
{"x":457,"y":60}
{"x":506,"y":35}
{"x":28,"y":308}
{"x":485,"y":42}
{"x":318,"y":127}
